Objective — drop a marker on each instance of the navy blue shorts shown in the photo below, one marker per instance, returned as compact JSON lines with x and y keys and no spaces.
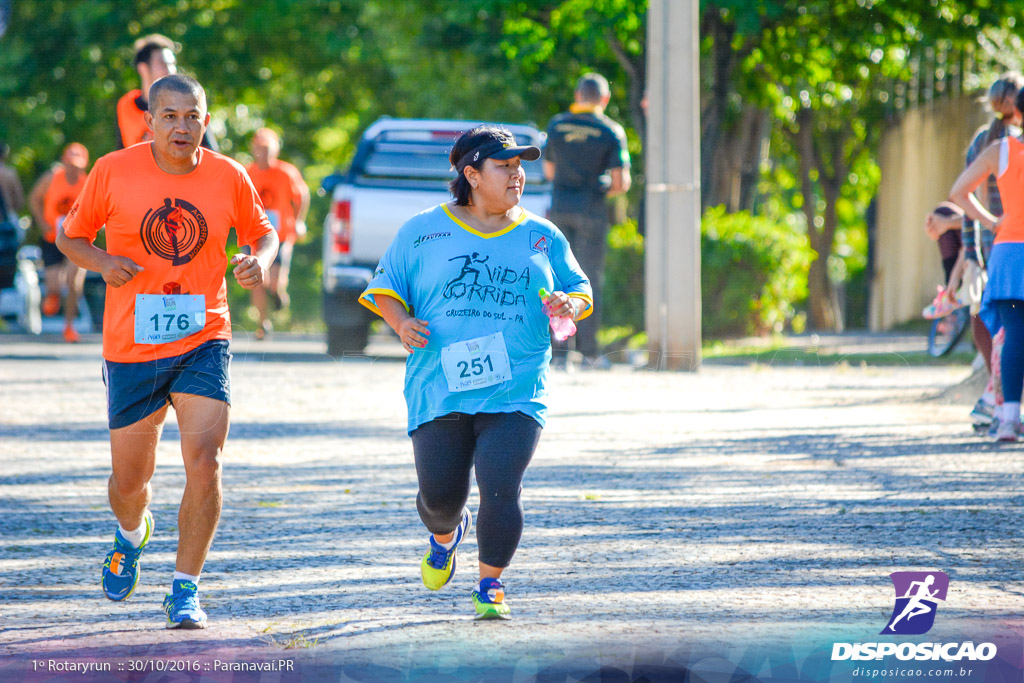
{"x":52,"y":256}
{"x":137,"y":390}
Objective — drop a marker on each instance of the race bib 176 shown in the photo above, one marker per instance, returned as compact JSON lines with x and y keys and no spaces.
{"x":163,"y":318}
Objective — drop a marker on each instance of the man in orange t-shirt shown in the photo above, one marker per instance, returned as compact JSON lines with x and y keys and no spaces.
{"x":154,"y":59}
{"x":50,"y":200}
{"x":286,"y":199}
{"x":167,"y":207}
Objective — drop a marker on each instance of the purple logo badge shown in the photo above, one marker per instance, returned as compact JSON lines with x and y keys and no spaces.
{"x":917,"y":596}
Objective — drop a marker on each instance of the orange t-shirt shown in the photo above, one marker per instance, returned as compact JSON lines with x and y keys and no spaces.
{"x":281,"y":189}
{"x":1011,"y":184}
{"x":174,"y":226}
{"x":59,"y":198}
{"x":131,"y":120}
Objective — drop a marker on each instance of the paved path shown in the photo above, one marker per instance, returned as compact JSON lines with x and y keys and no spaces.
{"x":666,"y":514}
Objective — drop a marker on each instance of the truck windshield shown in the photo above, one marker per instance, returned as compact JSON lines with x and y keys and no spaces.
{"x":399,"y":154}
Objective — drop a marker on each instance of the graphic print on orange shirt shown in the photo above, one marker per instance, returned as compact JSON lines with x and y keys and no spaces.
{"x":176,"y":231}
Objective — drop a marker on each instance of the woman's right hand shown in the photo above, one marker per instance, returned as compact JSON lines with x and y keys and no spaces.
{"x":413,"y":332}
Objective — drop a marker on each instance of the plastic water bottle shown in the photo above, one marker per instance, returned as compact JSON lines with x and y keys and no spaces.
{"x":562,"y":326}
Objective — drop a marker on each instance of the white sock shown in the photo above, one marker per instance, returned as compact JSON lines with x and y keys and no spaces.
{"x":1011,"y":412}
{"x":448,"y":545}
{"x":989,"y":398}
{"x":182,"y":576}
{"x":133,"y":537}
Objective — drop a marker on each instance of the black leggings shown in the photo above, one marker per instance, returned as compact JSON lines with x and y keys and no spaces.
{"x":1011,"y":313}
{"x":501,"y":446}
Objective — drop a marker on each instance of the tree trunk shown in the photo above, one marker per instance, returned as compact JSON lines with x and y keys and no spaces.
{"x":737,"y":167}
{"x":723,"y":60}
{"x":754,"y":152}
{"x":822,"y":299}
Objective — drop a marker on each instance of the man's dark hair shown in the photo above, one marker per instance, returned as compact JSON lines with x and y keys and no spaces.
{"x":178,"y":83}
{"x":593,"y":87}
{"x":145,"y":47}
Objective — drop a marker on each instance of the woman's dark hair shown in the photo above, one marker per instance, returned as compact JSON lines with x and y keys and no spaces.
{"x":1008,"y":85}
{"x":1019,"y":102}
{"x":471,"y":139}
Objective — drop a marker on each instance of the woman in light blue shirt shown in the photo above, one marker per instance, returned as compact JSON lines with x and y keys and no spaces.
{"x":459,"y":285}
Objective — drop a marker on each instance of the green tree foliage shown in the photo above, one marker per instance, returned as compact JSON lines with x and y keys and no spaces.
{"x":822,"y":69}
{"x":318,"y":71}
{"x":750,"y":274}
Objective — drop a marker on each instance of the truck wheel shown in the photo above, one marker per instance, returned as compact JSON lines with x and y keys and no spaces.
{"x":342,"y":340}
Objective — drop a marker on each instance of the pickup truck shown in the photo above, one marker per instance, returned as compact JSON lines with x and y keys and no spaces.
{"x":400,"y":168}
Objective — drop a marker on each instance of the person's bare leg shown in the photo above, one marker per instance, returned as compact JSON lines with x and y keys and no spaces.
{"x":52,"y":280}
{"x":133,"y":459}
{"x":259,"y":300}
{"x":75,"y":279}
{"x":280,"y":271}
{"x":279,"y":284}
{"x":982,"y":340}
{"x":489,"y":572}
{"x":203,"y":423}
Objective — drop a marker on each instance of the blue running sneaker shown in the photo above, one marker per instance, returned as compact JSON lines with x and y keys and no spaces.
{"x":438,"y":565}
{"x":983,"y":413}
{"x":182,"y":606}
{"x":489,"y":600}
{"x":121,"y":567}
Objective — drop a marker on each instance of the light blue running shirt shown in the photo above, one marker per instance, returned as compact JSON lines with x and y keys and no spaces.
{"x":488,"y":350}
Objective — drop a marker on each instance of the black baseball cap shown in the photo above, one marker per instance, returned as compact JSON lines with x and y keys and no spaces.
{"x":494,"y":143}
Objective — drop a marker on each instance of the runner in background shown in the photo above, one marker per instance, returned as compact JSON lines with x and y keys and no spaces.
{"x":286,"y":200}
{"x":978,"y":240}
{"x":154,"y":59}
{"x":50,"y":200}
{"x":10,"y":186}
{"x":1003,"y":301}
{"x":167,"y":208}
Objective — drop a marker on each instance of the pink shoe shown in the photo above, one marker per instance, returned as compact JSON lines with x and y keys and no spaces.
{"x":944,"y":304}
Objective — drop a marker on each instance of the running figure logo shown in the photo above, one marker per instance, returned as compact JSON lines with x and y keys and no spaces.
{"x":467,"y":270}
{"x":176,"y":231}
{"x":917,"y":596}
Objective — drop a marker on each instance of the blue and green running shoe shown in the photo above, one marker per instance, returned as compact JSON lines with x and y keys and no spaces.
{"x":438,"y":565}
{"x":182,"y":606}
{"x":489,"y":600}
{"x":121,"y":567}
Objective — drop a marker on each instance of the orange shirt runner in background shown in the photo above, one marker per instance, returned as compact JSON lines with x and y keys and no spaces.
{"x":131,"y":121}
{"x":1011,"y":227}
{"x":176,"y":228}
{"x":281,"y":190}
{"x":60,"y":197}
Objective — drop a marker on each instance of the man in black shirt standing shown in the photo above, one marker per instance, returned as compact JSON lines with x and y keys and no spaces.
{"x":587,"y":160}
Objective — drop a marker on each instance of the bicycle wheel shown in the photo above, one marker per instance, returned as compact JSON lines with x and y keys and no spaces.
{"x":947,"y":331}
